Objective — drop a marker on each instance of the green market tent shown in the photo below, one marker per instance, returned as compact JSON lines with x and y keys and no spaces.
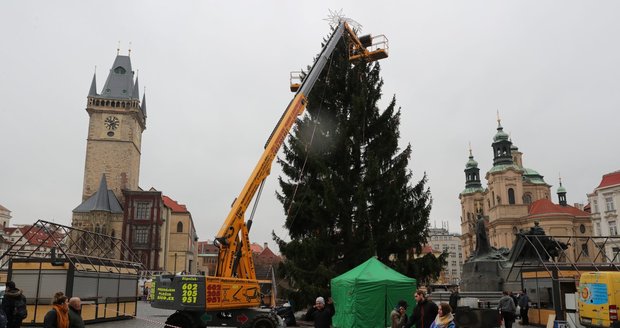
{"x":365,"y":295}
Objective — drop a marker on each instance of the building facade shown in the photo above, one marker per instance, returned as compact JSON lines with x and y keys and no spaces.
{"x":446,"y":242}
{"x":144,"y":226}
{"x":514,"y":199}
{"x":182,"y":240}
{"x":604,"y":202}
{"x":207,"y":257}
{"x":117,"y":119}
{"x":157,"y":229}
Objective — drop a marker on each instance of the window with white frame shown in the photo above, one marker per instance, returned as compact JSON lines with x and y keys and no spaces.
{"x":595,"y":205}
{"x":142,"y":210}
{"x":141,"y":235}
{"x":597,"y":226}
{"x":613,"y":229}
{"x":609,"y":203}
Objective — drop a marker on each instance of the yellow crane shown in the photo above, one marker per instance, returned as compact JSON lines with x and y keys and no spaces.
{"x":232,"y":296}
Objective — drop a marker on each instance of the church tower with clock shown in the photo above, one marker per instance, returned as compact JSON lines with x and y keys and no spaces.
{"x":117,"y":119}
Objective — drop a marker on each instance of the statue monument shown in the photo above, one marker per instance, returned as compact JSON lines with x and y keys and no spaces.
{"x":491,"y":266}
{"x":484,"y":264}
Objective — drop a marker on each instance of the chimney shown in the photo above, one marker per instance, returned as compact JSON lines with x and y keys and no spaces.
{"x":265,"y":244}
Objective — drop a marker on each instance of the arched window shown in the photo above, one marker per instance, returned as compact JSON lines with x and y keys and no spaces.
{"x":527,"y":198}
{"x":511,"y":196}
{"x":120,"y":70}
{"x":180,"y":226}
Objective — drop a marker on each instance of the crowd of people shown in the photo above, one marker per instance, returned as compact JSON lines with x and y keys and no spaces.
{"x":426,"y":313}
{"x":65,"y":311}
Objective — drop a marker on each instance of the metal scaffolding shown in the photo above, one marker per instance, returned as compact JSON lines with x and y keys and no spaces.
{"x":83,"y":249}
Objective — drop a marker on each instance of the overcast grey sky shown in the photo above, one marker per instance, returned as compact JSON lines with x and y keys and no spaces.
{"x":216,"y":78}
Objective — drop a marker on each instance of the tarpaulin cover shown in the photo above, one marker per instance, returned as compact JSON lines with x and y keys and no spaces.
{"x":365,"y":295}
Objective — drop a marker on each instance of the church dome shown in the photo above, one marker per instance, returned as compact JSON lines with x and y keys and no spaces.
{"x":471,"y":163}
{"x":500,"y":135}
{"x":561,"y":189}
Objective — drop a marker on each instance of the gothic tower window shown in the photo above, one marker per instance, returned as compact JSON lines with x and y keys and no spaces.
{"x":120,"y":70}
{"x":511,"y":196}
{"x":180,"y":227}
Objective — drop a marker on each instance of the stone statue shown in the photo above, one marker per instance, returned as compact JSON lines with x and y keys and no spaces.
{"x":483,"y":246}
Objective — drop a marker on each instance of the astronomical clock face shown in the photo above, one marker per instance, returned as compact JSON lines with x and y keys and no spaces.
{"x":111,"y":123}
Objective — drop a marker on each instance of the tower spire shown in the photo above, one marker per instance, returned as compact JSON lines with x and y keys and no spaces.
{"x":103,"y":200}
{"x":93,"y":85}
{"x":136,"y":88}
{"x":501,"y":146}
{"x":143,"y":104}
{"x":472,"y":174}
{"x":561,"y":192}
{"x":499,"y":120}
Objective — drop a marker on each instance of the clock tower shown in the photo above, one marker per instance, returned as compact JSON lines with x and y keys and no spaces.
{"x":117,"y":119}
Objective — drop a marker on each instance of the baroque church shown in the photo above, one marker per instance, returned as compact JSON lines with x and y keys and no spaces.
{"x":159,"y":230}
{"x":515,"y":199}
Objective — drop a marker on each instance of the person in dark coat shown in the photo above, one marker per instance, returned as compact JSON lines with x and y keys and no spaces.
{"x":75,"y":313}
{"x":424,"y":312}
{"x":454,"y":299}
{"x":524,"y":307}
{"x":58,"y":316}
{"x":321,"y":313}
{"x":11,"y":295}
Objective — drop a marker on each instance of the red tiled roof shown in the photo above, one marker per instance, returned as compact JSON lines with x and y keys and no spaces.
{"x":9,"y":230}
{"x":587,"y":208}
{"x":545,"y":206}
{"x":256,"y":248}
{"x":38,"y":236}
{"x":267,"y":254}
{"x":610,"y":179}
{"x":174,"y":206}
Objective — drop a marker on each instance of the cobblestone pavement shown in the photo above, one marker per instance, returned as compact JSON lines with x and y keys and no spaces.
{"x":155,"y":318}
{"x":147,"y":317}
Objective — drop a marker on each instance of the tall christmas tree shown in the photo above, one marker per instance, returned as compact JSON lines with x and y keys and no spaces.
{"x":346,"y":188}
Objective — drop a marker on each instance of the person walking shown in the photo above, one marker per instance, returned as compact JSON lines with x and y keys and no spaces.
{"x":58,"y":316}
{"x":75,"y":313}
{"x":507,"y":309}
{"x":424,"y":312}
{"x":444,"y":318}
{"x":399,"y":315}
{"x":524,"y":306}
{"x":320,"y":313}
{"x":14,"y":305}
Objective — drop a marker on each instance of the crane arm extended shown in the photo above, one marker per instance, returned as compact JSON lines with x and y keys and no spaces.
{"x":234,"y":286}
{"x":228,"y":238}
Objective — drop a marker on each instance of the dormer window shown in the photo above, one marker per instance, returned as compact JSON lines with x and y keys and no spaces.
{"x":120,"y":70}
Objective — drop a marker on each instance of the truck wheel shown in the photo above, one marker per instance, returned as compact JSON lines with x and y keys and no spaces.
{"x":181,"y":320}
{"x":263,"y":323}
